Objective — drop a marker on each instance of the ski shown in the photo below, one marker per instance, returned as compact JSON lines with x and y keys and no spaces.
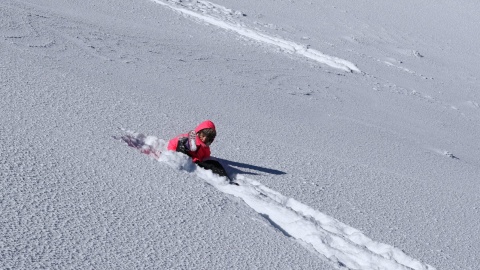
{"x":148,"y":145}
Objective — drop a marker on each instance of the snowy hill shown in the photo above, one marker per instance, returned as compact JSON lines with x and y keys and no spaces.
{"x":351,"y":128}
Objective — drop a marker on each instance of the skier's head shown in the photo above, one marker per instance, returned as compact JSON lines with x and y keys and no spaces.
{"x":207,"y":135}
{"x":206,"y":132}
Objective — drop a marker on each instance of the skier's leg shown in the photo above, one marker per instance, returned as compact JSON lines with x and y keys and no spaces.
{"x":214,"y":166}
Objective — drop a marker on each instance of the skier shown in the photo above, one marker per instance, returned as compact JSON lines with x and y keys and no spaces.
{"x":196,"y":144}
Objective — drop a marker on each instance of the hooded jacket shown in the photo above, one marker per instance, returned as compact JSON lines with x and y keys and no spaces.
{"x":203,"y":150}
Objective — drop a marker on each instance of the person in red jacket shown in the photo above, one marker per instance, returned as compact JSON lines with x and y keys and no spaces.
{"x":196,"y":144}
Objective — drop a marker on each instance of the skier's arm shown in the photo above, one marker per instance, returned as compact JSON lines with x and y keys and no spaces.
{"x":172,"y":144}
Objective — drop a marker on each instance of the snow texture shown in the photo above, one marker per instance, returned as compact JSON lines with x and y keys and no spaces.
{"x":338,"y":243}
{"x":351,"y":128}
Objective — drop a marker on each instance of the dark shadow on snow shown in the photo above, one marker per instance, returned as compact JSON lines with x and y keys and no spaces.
{"x":275,"y":225}
{"x":230,"y":166}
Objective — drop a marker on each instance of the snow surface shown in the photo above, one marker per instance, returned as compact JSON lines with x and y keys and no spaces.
{"x":351,"y":127}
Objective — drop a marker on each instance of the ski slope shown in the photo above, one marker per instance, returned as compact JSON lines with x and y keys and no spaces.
{"x":338,"y":243}
{"x":351,"y":128}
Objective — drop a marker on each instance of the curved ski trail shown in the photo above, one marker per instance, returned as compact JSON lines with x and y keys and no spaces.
{"x":225,"y":18}
{"x":343,"y":246}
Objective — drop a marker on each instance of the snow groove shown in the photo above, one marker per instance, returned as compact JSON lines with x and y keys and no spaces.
{"x":341,"y":244}
{"x":226,"y":19}
{"x":338,"y":243}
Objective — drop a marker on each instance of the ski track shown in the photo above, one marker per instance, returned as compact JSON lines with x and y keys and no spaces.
{"x":225,"y":18}
{"x":345,"y":247}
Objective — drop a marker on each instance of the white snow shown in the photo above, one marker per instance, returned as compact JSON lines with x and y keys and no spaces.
{"x":358,"y":150}
{"x":227,"y":22}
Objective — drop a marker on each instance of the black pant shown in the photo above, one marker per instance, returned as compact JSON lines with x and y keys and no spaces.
{"x":214,"y":166}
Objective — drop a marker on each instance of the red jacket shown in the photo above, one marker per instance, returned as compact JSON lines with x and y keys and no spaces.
{"x":203,"y":150}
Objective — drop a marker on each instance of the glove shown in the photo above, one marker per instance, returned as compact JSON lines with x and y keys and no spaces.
{"x":182,"y":145}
